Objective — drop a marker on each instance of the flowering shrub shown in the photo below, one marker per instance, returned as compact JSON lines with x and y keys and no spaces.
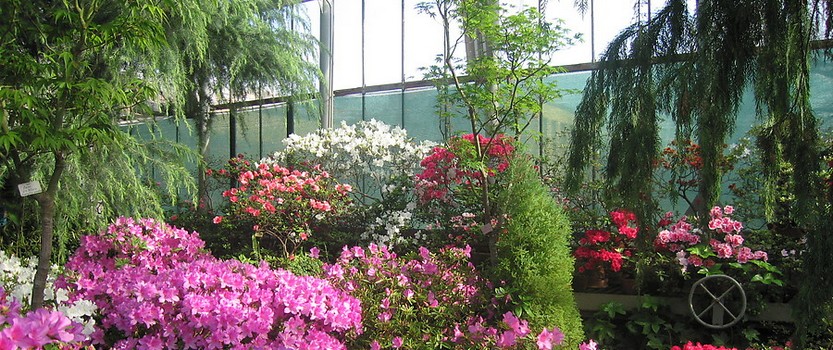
{"x":691,"y":248}
{"x":16,"y":278}
{"x":156,"y":288}
{"x":378,"y":160}
{"x":449,"y":168}
{"x":37,"y":328}
{"x":451,"y":187}
{"x":608,"y":248}
{"x":698,"y":346}
{"x":285,"y":204}
{"x":433,"y":300}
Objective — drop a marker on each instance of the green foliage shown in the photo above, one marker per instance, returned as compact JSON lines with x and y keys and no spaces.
{"x":504,"y":87}
{"x":693,"y":65}
{"x":650,"y":321}
{"x":231,"y":50}
{"x":69,"y":72}
{"x":533,"y":253}
{"x":653,"y":324}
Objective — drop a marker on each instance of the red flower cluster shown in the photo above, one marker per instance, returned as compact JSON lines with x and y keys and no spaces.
{"x":600,"y":247}
{"x":447,"y":167}
{"x":682,"y":162}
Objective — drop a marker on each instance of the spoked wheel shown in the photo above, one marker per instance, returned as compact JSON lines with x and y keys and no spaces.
{"x":717,"y":301}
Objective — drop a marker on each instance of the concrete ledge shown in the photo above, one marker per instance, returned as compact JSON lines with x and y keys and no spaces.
{"x":776,"y":312}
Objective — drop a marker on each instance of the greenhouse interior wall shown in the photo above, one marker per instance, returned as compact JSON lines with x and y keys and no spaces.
{"x":260,"y":129}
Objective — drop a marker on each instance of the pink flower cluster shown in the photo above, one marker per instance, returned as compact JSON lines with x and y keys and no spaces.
{"x":683,"y":239}
{"x":698,"y":346}
{"x":35,"y":329}
{"x":281,"y":202}
{"x":678,"y":235}
{"x":156,"y":289}
{"x":600,"y":247}
{"x":431,"y":298}
{"x":444,"y":169}
{"x":589,"y":345}
{"x":467,"y":227}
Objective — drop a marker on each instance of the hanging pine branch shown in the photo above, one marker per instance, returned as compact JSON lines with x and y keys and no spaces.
{"x":694,"y":68}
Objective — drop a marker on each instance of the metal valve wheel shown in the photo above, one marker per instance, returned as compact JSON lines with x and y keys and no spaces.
{"x":720,"y":295}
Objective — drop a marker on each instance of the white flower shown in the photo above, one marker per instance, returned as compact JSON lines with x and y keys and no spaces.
{"x":17,"y":276}
{"x":373,"y":157}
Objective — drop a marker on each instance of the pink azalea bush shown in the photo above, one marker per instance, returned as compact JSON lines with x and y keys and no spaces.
{"x":429,"y":301}
{"x":282,"y":203}
{"x":37,"y":328}
{"x":688,"y":243}
{"x":156,"y":288}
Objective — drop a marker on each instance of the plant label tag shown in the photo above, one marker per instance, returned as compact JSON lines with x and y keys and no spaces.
{"x":486,"y":228}
{"x":29,"y":188}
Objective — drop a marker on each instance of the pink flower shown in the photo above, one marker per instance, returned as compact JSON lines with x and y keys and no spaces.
{"x":218,"y":219}
{"x":728,"y":210}
{"x":314,"y":252}
{"x":397,"y":342}
{"x":546,"y":338}
{"x":506,"y":339}
{"x":590,"y":345}
{"x":521,"y":327}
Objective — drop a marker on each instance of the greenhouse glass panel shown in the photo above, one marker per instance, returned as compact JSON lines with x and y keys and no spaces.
{"x":274,"y":128}
{"x":348,"y":109}
{"x":384,"y":107}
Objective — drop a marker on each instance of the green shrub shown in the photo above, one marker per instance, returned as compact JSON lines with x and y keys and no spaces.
{"x":534,"y":257}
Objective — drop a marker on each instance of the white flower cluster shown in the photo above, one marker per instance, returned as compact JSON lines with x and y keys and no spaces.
{"x":378,"y":160}
{"x":387,"y":228}
{"x":17,"y":277}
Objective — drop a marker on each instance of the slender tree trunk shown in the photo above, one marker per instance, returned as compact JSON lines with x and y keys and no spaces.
{"x":46,"y":201}
{"x":203,"y":138}
{"x":197,"y":108}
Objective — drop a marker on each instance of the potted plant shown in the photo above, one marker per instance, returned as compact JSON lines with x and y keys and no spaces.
{"x":719,"y":248}
{"x":606,"y":250}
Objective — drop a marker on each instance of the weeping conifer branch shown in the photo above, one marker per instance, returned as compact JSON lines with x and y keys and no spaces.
{"x":695,"y":69}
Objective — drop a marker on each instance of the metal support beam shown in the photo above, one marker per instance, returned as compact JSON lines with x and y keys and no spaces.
{"x":325,"y":86}
{"x":232,"y":131}
{"x":364,"y":63}
{"x":402,"y":67}
{"x":290,"y":117}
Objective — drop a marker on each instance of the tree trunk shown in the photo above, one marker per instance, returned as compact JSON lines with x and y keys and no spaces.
{"x":203,"y":138}
{"x":46,"y":201}
{"x":197,"y":108}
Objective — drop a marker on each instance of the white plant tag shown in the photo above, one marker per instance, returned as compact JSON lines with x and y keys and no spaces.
{"x":29,"y":188}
